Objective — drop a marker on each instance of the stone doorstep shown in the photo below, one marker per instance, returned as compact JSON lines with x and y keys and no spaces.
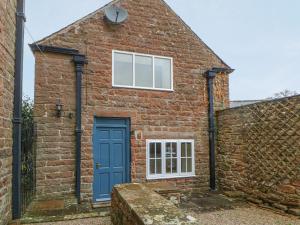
{"x":97,"y":205}
{"x":47,"y":205}
{"x":14,"y":222}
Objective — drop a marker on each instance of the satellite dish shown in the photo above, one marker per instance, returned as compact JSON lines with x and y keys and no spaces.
{"x":115,"y":14}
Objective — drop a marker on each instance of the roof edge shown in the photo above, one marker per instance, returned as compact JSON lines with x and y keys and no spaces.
{"x":193,"y":32}
{"x":39,"y":43}
{"x":53,"y":49}
{"x":77,"y":21}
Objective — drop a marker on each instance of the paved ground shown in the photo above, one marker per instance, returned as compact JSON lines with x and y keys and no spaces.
{"x":212,"y":209}
{"x":240,"y":216}
{"x":91,"y":221}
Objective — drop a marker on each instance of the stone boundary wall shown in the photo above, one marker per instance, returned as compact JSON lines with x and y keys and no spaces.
{"x":136,"y":204}
{"x":7,"y":69}
{"x":258,"y":153}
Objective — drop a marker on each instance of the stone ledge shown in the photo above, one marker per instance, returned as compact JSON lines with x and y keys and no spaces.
{"x":136,"y":204}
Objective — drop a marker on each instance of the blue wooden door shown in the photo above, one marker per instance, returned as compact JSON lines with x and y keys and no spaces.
{"x":111,"y":156}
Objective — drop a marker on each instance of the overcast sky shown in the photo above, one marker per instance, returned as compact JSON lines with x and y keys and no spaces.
{"x":260,"y":39}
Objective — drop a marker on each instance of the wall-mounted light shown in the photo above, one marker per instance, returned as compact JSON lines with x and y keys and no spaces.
{"x":59,"y":108}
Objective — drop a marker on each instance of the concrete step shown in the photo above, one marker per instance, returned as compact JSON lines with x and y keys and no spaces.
{"x":101,"y":205}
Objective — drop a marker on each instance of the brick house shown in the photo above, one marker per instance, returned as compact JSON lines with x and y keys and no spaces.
{"x":7,"y":70}
{"x":138,"y":113}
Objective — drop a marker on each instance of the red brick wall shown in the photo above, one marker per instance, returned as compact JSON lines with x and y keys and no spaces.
{"x":55,"y":136}
{"x":152,"y":28}
{"x":258,"y":153}
{"x":7,"y":56}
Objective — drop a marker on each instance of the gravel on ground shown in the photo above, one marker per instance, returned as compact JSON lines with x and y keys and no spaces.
{"x":245,"y":216}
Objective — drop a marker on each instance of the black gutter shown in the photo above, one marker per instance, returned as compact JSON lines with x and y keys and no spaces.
{"x":53,"y":49}
{"x":79,"y":62}
{"x":211,"y":74}
{"x":17,"y":114}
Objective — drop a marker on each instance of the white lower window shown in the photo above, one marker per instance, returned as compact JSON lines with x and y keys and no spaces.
{"x":170,"y":159}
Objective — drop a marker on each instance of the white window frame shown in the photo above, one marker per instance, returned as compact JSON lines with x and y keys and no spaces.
{"x":133,"y":65}
{"x":164,"y":175}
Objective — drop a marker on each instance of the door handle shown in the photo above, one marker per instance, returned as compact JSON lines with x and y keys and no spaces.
{"x":98,"y":165}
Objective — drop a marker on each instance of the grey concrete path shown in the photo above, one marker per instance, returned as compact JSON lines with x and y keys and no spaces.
{"x":239,"y":216}
{"x":90,"y":221}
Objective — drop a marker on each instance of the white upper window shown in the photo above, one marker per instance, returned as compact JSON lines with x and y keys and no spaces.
{"x":170,"y":159}
{"x":133,"y":70}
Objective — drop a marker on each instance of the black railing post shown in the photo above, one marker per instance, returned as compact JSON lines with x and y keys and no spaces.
{"x":17,"y":114}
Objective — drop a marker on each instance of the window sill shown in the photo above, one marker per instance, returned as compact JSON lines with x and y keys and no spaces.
{"x":170,"y":177}
{"x":143,"y":88}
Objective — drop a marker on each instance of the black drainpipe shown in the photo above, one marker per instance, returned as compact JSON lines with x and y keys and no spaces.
{"x":17,"y":114}
{"x":79,"y":62}
{"x":211,"y":74}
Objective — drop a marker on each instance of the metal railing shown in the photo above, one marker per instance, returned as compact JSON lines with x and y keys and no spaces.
{"x":28,"y":166}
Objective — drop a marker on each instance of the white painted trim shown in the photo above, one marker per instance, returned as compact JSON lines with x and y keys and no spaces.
{"x":179,"y":174}
{"x":153,"y":70}
{"x":143,"y":88}
{"x":169,"y":177}
{"x":113,"y":68}
{"x":133,"y":70}
{"x":140,"y":54}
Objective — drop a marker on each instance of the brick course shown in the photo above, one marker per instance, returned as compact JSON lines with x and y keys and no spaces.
{"x":151,"y":28}
{"x":7,"y":56}
{"x":259,"y":153}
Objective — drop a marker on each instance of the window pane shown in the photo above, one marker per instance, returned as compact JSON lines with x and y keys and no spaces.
{"x":162,"y":73}
{"x":183,"y":150}
{"x":168,"y":150}
{"x":123,"y":72}
{"x":189,"y":149}
{"x":152,"y":150}
{"x":158,"y":150}
{"x":166,"y":161}
{"x":152,"y":166}
{"x":174,"y":165}
{"x":158,"y":166}
{"x":183,"y":165}
{"x":168,"y":166}
{"x":174,"y":149}
{"x":143,"y":71}
{"x":189,"y":165}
